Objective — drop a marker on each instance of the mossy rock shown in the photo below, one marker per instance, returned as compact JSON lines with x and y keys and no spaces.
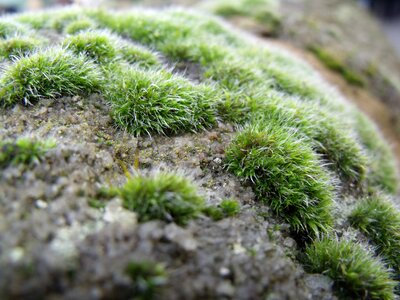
{"x":127,"y":92}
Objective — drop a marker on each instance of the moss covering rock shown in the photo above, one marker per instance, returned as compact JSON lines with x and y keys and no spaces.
{"x":173,"y":90}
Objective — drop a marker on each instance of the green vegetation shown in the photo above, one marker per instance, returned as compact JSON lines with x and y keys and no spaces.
{"x":10,"y":28}
{"x":98,"y":46}
{"x":95,"y":203}
{"x":148,"y":102}
{"x":104,"y":47}
{"x":163,"y":196}
{"x":227,"y":208}
{"x":336,"y":65}
{"x":139,"y":55}
{"x":79,"y":25}
{"x":35,"y":20}
{"x":379,"y":219}
{"x":23,"y":151}
{"x":50,"y":73}
{"x":316,"y":126}
{"x":17,"y":46}
{"x":356,"y":273}
{"x":382,"y":173}
{"x":298,"y":143}
{"x":265,"y":13}
{"x":285,"y":174}
{"x":62,"y":18}
{"x":147,"y":278}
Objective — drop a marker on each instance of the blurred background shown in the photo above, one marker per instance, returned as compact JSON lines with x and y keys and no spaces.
{"x":387,"y":11}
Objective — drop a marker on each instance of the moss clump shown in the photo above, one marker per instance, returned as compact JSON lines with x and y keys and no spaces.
{"x":79,"y":25}
{"x":317,"y":127}
{"x":227,"y":208}
{"x":51,"y":73}
{"x":17,"y":46}
{"x":98,"y":46}
{"x":336,"y":65}
{"x":62,"y":18}
{"x":23,"y":151}
{"x":167,"y":197}
{"x":380,"y":221}
{"x":356,"y":273}
{"x":35,"y":20}
{"x":10,"y":28}
{"x":148,"y":102}
{"x":147,"y":278}
{"x":104,"y":47}
{"x":285,"y":173}
{"x":263,"y":12}
{"x":382,"y":174}
{"x":139,"y":55}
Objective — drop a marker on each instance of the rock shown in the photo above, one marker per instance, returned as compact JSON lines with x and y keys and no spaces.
{"x":182,"y":237}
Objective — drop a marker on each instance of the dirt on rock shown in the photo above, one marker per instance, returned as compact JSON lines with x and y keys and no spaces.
{"x":56,"y":245}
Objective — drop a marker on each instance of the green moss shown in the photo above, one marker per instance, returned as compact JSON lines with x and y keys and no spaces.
{"x":95,"y":203}
{"x":336,"y":65}
{"x":356,"y":273}
{"x":35,"y":20}
{"x":18,"y":46}
{"x":264,"y":13}
{"x":285,"y":173}
{"x":230,"y":207}
{"x":79,"y":25}
{"x":51,"y":73}
{"x":61,"y":18}
{"x":227,"y":208}
{"x":147,"y":279}
{"x":296,"y":137}
{"x":380,"y":221}
{"x":23,"y":151}
{"x":164,"y":196}
{"x":324,"y":133}
{"x":139,"y":55}
{"x":382,"y":171}
{"x":98,"y":46}
{"x":10,"y":28}
{"x":104,"y":47}
{"x":146,"y":102}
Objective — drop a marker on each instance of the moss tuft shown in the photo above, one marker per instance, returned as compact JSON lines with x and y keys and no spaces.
{"x":18,"y":46}
{"x":146,"y":102}
{"x":79,"y":25}
{"x":51,"y":73}
{"x":23,"y":151}
{"x":265,"y":13}
{"x":10,"y":28}
{"x":163,"y":196}
{"x":336,"y":65}
{"x":356,"y":273}
{"x":227,"y":208}
{"x":147,"y":278}
{"x":139,"y":55}
{"x":382,"y":170}
{"x":98,"y":46}
{"x":285,"y":173}
{"x":380,"y":221}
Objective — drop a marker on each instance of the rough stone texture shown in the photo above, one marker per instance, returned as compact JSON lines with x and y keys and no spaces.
{"x":55,"y":246}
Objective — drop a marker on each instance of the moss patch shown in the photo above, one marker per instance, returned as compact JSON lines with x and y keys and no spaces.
{"x":285,"y":174}
{"x":167,"y":197}
{"x":357,"y":274}
{"x":23,"y":151}
{"x":336,"y":65}
{"x":379,"y":219}
{"x":147,"y":102}
{"x":51,"y":73}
